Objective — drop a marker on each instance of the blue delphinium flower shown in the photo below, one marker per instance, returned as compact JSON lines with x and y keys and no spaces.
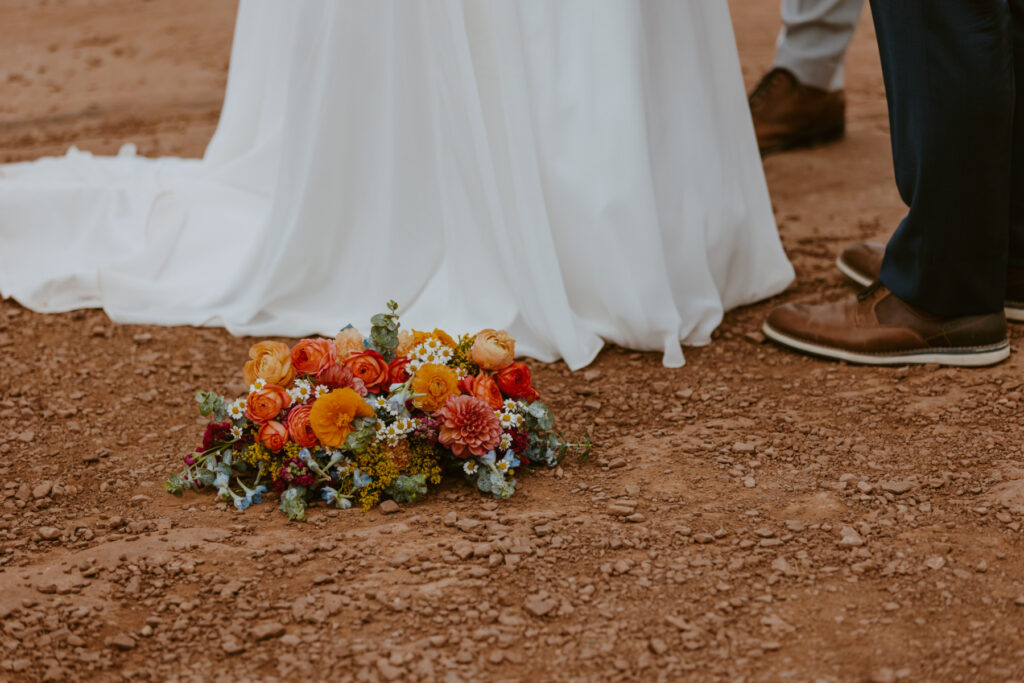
{"x":329,"y":495}
{"x":256,"y":495}
{"x":241,"y":502}
{"x":361,"y":480}
{"x":221,"y":480}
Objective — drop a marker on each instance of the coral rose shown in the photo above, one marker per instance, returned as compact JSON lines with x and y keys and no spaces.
{"x":266,"y":404}
{"x":493,"y":349}
{"x":406,"y":343}
{"x":398,"y":370}
{"x":486,"y":389}
{"x":299,"y":427}
{"x":468,"y":426}
{"x":273,"y":435}
{"x":432,"y":385}
{"x":515,"y":381}
{"x":370,"y":367}
{"x":332,"y":415}
{"x":347,"y":342}
{"x":270,"y":361}
{"x":312,"y":356}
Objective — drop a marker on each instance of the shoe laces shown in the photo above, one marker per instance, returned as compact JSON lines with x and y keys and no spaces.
{"x":866,"y":293}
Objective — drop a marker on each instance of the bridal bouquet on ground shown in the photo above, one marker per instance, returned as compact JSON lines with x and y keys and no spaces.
{"x":357,"y":420}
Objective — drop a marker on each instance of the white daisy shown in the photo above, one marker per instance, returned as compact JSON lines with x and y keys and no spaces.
{"x":510,"y":405}
{"x":303,"y":390}
{"x":236,"y":411}
{"x":507,"y":420}
{"x":470,"y":467}
{"x":236,"y":432}
{"x":506,"y":441}
{"x":321,"y":390}
{"x":257,"y":385}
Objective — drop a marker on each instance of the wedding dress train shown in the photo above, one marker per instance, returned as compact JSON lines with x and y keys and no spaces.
{"x":572,"y":171}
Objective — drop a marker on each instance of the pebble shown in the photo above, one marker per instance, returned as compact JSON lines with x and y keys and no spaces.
{"x":898,"y":486}
{"x":123,"y":642}
{"x":267,"y":630}
{"x":49,"y":533}
{"x":657,"y":646}
{"x":537,"y":607}
{"x":232,"y":647}
{"x":935,"y":562}
{"x":389,"y":507}
{"x":398,"y":560}
{"x":42,"y":490}
{"x":849,"y":538}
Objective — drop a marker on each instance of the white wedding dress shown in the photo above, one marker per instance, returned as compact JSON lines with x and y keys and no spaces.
{"x":572,"y":171}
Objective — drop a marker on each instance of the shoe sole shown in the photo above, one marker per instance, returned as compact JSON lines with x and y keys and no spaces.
{"x":973,"y":357}
{"x":1014,"y":309}
{"x":815,"y":138}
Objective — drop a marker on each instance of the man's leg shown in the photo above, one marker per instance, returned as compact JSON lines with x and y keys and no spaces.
{"x":1017,"y":187}
{"x":800,"y":102}
{"x":949,"y":78}
{"x":948,"y":67}
{"x":814,"y":38}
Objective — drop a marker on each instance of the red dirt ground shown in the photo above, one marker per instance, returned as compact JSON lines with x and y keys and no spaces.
{"x":798,"y":519}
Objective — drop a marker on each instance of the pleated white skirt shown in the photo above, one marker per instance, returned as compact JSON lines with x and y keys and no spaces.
{"x":572,"y":171}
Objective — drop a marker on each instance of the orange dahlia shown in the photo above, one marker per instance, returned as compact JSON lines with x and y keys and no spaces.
{"x":332,"y":415}
{"x":468,"y":424}
{"x":432,"y":385}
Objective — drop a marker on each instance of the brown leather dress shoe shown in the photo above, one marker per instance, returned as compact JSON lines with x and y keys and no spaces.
{"x":877,"y":328}
{"x":788,"y":114}
{"x":862,"y":262}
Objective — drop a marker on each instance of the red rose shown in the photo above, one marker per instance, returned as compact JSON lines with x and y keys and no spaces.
{"x":299,"y":427}
{"x":515,"y":382}
{"x":370,"y":367}
{"x":398,"y":370}
{"x":273,"y":435}
{"x":466,"y":384}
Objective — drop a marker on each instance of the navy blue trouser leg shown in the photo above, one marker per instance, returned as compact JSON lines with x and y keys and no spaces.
{"x":949,"y":79}
{"x":1017,"y":185}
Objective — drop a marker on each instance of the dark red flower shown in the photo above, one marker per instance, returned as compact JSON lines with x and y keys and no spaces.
{"x":215,"y":433}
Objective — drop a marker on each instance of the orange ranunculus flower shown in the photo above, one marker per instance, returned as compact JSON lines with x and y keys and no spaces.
{"x":271,"y":362}
{"x":332,"y":415}
{"x":266,"y":404}
{"x":493,"y":349}
{"x":273,"y":435}
{"x":406,"y":342}
{"x":432,"y":385}
{"x":348,"y":341}
{"x":370,"y":367}
{"x":486,"y":389}
{"x":299,"y":428}
{"x":418,"y":337}
{"x":313,"y":355}
{"x":444,"y":338}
